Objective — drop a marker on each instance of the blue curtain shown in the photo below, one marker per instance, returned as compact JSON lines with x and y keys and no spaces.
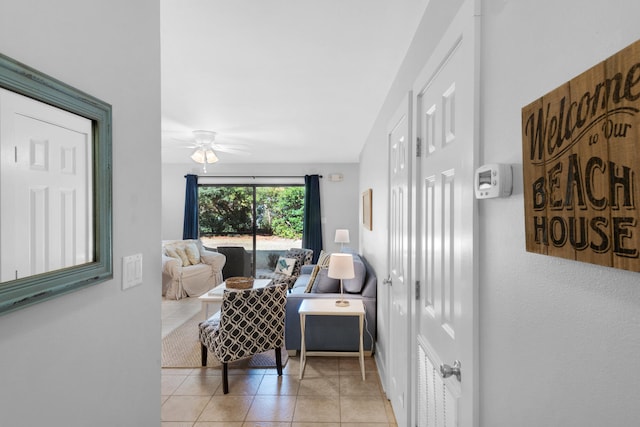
{"x":312,"y":226}
{"x":190,"y":228}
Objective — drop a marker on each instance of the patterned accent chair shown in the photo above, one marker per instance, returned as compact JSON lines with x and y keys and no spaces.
{"x":250,"y":322}
{"x":302,"y":257}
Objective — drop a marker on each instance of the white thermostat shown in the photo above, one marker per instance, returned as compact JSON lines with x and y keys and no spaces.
{"x":493,"y":180}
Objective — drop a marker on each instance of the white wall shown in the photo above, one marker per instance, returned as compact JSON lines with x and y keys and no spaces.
{"x":553,"y":332}
{"x":559,"y":340}
{"x":339,"y":200}
{"x":92,"y":357}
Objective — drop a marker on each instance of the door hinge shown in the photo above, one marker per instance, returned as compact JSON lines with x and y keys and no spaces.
{"x":418,"y":147}
{"x":417,"y":289}
{"x":15,"y":154}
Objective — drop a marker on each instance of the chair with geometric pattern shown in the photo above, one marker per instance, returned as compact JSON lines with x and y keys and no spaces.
{"x":249,"y":322}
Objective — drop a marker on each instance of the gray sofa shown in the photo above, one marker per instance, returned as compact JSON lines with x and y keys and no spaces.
{"x":332,"y":333}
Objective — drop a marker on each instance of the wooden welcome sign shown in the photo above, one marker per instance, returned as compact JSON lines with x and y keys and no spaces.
{"x":581,"y":166}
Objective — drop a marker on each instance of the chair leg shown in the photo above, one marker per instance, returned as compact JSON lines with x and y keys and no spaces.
{"x":225,"y":379}
{"x":279,"y":361}
{"x":203,"y":354}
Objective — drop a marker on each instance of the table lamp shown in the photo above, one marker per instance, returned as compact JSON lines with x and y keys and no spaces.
{"x":341,"y":267}
{"x":342,"y":237}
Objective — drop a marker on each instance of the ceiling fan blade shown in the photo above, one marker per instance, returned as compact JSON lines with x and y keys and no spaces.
{"x":240,"y":149}
{"x":231,"y":150}
{"x":185,"y":143}
{"x":205,"y":139}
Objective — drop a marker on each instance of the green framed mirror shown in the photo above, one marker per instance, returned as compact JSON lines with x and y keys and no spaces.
{"x":55,"y":187}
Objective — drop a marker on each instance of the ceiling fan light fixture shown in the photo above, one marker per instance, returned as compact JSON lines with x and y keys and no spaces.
{"x":204,"y":137}
{"x":210,"y":155}
{"x":204,"y":155}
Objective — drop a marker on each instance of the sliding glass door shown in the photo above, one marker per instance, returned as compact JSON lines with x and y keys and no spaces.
{"x":264,"y":220}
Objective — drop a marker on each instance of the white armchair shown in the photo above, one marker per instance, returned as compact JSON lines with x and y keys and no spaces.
{"x":188,"y":269}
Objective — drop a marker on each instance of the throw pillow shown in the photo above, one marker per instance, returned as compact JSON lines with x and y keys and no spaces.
{"x":312,"y":279}
{"x":324,"y":284}
{"x":354,"y":286}
{"x":183,"y":256}
{"x":285,"y":266}
{"x":323,"y":259}
{"x":171,"y":252}
{"x":193,"y":254}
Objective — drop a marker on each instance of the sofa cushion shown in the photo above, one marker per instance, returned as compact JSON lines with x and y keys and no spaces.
{"x":301,"y":283}
{"x":325,"y":284}
{"x":307,"y":269}
{"x":354,"y":286}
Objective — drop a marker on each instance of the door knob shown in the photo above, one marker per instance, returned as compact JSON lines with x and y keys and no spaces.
{"x":447,"y":370}
{"x":387,"y":281}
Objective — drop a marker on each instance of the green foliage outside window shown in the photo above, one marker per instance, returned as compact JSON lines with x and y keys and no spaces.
{"x":288,"y":211}
{"x":225,"y":210}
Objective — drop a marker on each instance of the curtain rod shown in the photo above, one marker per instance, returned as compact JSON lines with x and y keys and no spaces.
{"x":253,"y":176}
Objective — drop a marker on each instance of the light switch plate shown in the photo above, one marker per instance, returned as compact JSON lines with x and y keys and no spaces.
{"x":131,"y":271}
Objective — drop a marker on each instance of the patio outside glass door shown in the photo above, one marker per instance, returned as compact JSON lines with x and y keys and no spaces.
{"x":265,"y":220}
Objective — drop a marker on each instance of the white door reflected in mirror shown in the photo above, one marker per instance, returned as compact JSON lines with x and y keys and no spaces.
{"x":46,"y":214}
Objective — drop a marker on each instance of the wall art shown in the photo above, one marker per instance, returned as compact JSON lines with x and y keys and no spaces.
{"x":581,"y":166}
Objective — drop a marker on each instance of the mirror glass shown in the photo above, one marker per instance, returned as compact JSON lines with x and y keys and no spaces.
{"x":55,"y":187}
{"x":45,"y":188}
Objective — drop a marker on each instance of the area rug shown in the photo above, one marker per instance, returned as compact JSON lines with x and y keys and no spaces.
{"x":181,"y":349}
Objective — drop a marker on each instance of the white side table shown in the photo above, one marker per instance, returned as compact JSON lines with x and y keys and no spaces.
{"x":327,"y":307}
{"x":214,"y":296}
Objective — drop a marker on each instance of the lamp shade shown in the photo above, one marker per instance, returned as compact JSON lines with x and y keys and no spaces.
{"x":342,"y":236}
{"x":204,"y":155}
{"x":341,"y":266}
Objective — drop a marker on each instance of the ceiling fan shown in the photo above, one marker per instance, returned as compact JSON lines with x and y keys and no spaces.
{"x":205,"y":148}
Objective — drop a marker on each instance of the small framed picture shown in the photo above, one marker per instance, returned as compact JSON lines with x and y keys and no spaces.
{"x":366,"y":209}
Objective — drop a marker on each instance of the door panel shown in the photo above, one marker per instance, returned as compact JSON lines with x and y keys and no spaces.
{"x":46,"y":156}
{"x":446,"y":213}
{"x":398,"y":137}
{"x":439,"y":404}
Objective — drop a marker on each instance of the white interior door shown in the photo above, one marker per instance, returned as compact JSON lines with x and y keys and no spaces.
{"x":446,"y":211}
{"x":399,"y":140}
{"x":46,"y":214}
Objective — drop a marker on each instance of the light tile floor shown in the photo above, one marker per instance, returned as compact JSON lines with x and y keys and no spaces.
{"x":176,"y":312}
{"x":331,"y":394}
